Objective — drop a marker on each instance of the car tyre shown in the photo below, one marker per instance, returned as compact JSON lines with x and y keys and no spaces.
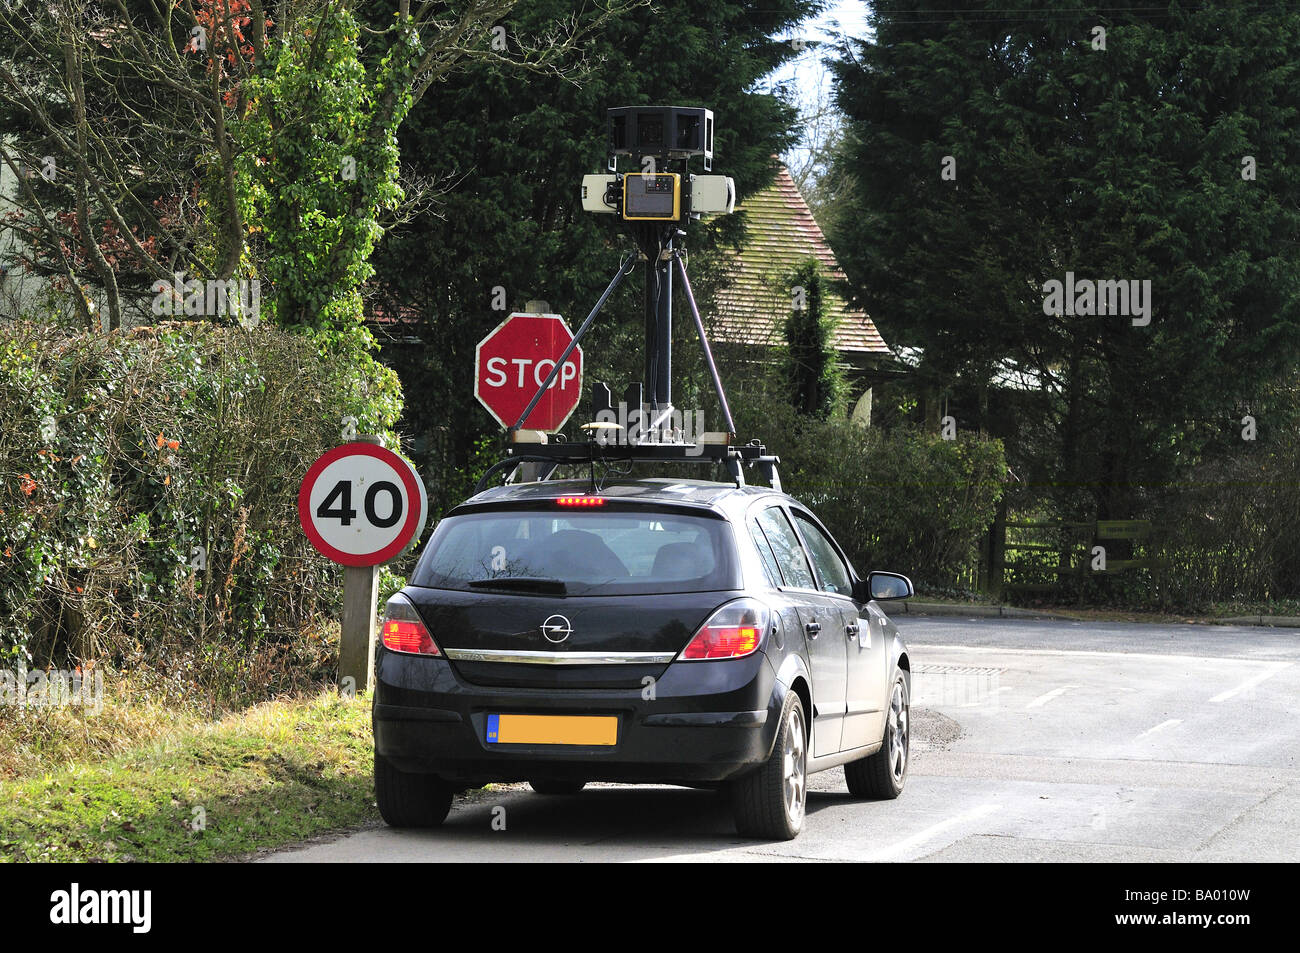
{"x":410,"y":800}
{"x":882,"y":775}
{"x":769,"y":802}
{"x":557,"y":787}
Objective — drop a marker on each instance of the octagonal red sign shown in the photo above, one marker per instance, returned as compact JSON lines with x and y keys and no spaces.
{"x":513,"y":361}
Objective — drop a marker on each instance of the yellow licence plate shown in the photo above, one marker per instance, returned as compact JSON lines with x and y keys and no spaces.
{"x":552,"y":729}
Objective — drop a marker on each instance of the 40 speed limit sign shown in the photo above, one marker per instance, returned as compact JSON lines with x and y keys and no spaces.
{"x":362,"y":505}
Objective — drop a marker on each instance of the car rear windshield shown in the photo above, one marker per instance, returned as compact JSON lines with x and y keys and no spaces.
{"x":610,"y":552}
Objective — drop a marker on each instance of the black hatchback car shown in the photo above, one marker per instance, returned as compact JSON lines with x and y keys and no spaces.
{"x":650,"y":631}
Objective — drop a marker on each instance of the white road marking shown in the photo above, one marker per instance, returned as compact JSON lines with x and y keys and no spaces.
{"x":939,"y":648}
{"x":1161,"y":727}
{"x":908,"y":844}
{"x":1042,"y":700}
{"x":1250,"y":683}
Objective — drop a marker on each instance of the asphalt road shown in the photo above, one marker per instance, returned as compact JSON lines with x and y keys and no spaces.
{"x":1032,"y":741}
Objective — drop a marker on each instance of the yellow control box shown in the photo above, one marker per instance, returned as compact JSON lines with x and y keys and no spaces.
{"x":652,"y":197}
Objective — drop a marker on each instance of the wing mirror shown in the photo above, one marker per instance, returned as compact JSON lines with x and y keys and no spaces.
{"x":882,"y":586}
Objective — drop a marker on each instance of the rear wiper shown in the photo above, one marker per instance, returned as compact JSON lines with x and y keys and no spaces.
{"x":522,"y":584}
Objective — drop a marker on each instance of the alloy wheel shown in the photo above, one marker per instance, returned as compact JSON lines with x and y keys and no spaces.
{"x":794,"y":767}
{"x":898,"y":732}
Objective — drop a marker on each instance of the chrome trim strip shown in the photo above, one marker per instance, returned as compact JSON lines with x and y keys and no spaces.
{"x":532,"y":657}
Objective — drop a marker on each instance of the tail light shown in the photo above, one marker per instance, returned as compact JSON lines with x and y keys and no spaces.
{"x":733,"y":631}
{"x":403,"y":629}
{"x":579,"y":500}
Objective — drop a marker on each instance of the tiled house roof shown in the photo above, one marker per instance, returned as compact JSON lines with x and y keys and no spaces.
{"x":781,"y":233}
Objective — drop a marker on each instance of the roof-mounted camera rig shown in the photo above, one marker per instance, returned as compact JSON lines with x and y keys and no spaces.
{"x":654,"y":198}
{"x":660,"y":141}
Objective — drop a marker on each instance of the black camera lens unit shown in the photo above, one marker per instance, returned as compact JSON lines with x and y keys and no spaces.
{"x":666,"y":132}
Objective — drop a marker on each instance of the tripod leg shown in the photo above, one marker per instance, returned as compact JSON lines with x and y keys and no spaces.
{"x":708,"y":352}
{"x":550,"y":378}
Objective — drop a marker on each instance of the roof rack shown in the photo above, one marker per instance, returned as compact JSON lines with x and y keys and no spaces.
{"x":549,"y":456}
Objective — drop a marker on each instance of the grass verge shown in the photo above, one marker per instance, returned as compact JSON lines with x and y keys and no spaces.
{"x":263,"y":777}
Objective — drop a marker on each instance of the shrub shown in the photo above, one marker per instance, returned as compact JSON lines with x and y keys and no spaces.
{"x":148,"y":497}
{"x":1229,"y":533}
{"x":901,"y":500}
{"x":815,"y":381}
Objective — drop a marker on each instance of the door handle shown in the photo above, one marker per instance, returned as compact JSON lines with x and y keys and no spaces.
{"x":851,"y":630}
{"x":812,"y":628}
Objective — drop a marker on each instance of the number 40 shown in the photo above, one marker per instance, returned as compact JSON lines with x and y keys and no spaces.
{"x":345,"y":514}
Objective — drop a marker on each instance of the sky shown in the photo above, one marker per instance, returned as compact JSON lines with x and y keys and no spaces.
{"x":806,"y":75}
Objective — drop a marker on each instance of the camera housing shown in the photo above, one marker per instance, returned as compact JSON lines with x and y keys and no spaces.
{"x":607,"y":194}
{"x":659,"y":187}
{"x":667,"y":132}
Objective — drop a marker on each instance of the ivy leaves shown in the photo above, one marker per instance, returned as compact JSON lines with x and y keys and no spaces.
{"x":320,"y":164}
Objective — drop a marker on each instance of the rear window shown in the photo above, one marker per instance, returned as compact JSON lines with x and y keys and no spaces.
{"x":610,"y":552}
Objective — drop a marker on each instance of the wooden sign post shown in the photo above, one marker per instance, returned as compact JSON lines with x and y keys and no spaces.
{"x":357,"y":640}
{"x":361,"y":505}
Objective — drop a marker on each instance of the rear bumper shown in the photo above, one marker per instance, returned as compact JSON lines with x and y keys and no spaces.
{"x":706,"y":722}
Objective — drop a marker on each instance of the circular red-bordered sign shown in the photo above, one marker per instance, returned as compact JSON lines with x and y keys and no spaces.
{"x":361,"y":504}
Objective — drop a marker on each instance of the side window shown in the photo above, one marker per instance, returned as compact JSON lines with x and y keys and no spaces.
{"x":785,"y":545}
{"x":834,"y":574}
{"x":765,"y":551}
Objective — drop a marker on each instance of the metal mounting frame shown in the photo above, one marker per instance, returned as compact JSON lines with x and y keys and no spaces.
{"x":552,"y":455}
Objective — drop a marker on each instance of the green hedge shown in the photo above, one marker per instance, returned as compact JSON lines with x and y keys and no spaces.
{"x":902,"y":500}
{"x":1229,"y":533}
{"x":121,"y":454}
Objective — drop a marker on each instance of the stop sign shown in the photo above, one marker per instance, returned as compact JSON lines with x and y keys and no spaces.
{"x":512,"y":363}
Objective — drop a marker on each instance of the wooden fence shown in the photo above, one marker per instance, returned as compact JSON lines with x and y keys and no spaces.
{"x":1038,"y":556}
